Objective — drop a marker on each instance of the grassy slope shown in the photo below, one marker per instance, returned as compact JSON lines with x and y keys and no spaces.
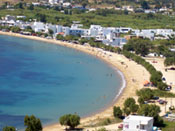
{"x":116,"y":20}
{"x":169,"y":126}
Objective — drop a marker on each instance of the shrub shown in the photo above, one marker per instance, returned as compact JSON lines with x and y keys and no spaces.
{"x":70,"y":120}
{"x":32,"y":123}
{"x":9,"y":128}
{"x":117,"y":112}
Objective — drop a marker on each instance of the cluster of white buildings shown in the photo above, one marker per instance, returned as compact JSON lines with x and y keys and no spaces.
{"x":133,"y":9}
{"x":153,"y":34}
{"x":107,"y":35}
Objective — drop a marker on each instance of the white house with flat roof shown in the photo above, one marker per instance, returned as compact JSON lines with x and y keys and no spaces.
{"x":38,"y":26}
{"x":66,"y":30}
{"x":94,"y":30}
{"x":137,"y":123}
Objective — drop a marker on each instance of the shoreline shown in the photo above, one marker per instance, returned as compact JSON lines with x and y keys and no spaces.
{"x":128,"y":86}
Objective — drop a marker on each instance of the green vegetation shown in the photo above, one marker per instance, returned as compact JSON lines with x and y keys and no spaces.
{"x":117,"y":112}
{"x":170,"y":61}
{"x":169,"y":126}
{"x":130,"y":106}
{"x":146,"y":4}
{"x":140,"y":46}
{"x":106,"y":121}
{"x":15,"y":29}
{"x":151,"y":111}
{"x":156,"y":76}
{"x":161,"y":93}
{"x":145,"y":94}
{"x":9,"y":128}
{"x":102,"y":129}
{"x":32,"y":123}
{"x":104,"y":17}
{"x":70,"y":120}
{"x":103,"y":121}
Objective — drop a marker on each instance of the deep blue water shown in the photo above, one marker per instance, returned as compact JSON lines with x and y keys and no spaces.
{"x":48,"y":81}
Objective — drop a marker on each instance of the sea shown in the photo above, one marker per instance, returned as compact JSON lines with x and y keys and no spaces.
{"x":48,"y":80}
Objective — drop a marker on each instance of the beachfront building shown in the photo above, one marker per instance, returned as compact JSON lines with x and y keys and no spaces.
{"x":76,"y":30}
{"x":38,"y":26}
{"x":66,"y":30}
{"x":116,"y":42}
{"x":59,"y":29}
{"x":94,"y":30}
{"x":50,"y":27}
{"x":137,"y":123}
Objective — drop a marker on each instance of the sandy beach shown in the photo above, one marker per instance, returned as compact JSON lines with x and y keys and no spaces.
{"x":134,"y":75}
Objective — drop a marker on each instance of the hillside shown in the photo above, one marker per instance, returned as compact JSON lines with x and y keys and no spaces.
{"x":15,"y":1}
{"x":111,"y":3}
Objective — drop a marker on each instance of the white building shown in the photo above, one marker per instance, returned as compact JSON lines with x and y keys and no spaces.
{"x":165,"y":32}
{"x":66,"y":30}
{"x":150,"y":11}
{"x":38,"y":26}
{"x":9,"y":18}
{"x":94,"y":30}
{"x":124,"y":29}
{"x":66,"y":4}
{"x":35,"y":3}
{"x":52,"y":2}
{"x":51,"y":27}
{"x":21,"y":17}
{"x":137,"y":123}
{"x":128,"y":8}
{"x":59,"y":28}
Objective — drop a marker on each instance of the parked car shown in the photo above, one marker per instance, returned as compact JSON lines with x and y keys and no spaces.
{"x":151,"y":101}
{"x":162,"y":101}
{"x":155,"y":98}
{"x":120,"y":126}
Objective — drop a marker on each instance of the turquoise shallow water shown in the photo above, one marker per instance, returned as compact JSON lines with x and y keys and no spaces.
{"x":48,"y":81}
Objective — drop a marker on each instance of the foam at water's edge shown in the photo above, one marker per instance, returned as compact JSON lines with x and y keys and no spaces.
{"x":122,"y":86}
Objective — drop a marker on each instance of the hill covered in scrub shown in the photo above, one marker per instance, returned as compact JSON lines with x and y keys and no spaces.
{"x":110,"y":3}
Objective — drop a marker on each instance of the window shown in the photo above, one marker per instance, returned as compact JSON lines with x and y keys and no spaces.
{"x":142,"y":127}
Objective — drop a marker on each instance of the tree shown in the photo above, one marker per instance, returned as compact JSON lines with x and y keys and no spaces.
{"x":126,"y":111}
{"x":71,"y":120}
{"x":129,"y":101}
{"x":130,"y":106}
{"x":15,"y":29}
{"x":169,"y":61}
{"x":19,"y":5}
{"x":141,"y":100}
{"x":151,"y":111}
{"x":145,"y":94}
{"x":32,"y":123}
{"x":85,"y":3}
{"x":31,"y":7}
{"x":41,"y":17}
{"x":60,"y":37}
{"x":117,"y":112}
{"x":50,"y":32}
{"x":162,"y":86}
{"x":142,"y":47}
{"x":144,"y":5}
{"x":9,"y":128}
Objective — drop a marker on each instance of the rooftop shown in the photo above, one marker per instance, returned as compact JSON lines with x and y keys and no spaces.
{"x":135,"y":117}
